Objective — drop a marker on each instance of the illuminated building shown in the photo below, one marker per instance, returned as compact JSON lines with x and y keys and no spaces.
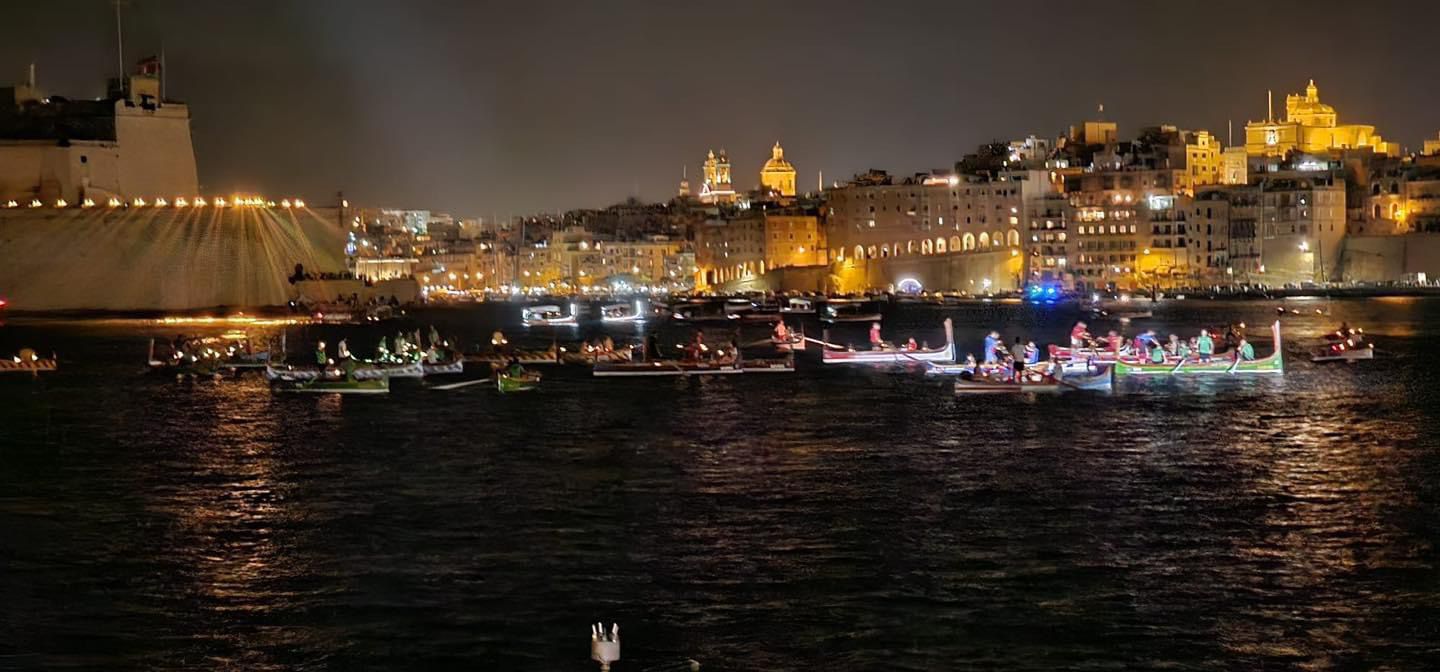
{"x":929,"y":214}
{"x":1432,"y":146}
{"x":1127,"y":229}
{"x":1310,"y":126}
{"x":778,"y":175}
{"x":756,"y":242}
{"x":1399,"y":198}
{"x":1281,"y":229}
{"x":717,"y":188}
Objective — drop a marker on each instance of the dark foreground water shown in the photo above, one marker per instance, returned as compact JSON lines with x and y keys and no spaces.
{"x":846,"y":520}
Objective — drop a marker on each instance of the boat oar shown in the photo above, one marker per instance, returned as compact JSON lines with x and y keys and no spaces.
{"x":465,"y":383}
{"x":823,"y":343}
{"x":1236,"y":365}
{"x":1178,"y":365}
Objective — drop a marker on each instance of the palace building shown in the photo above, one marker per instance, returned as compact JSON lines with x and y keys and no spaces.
{"x":1313,"y":127}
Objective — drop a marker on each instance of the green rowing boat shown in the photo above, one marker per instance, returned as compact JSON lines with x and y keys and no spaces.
{"x":521,"y":383}
{"x":334,"y":386}
{"x":1274,"y":363}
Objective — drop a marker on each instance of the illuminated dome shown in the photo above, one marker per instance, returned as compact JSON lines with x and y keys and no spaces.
{"x":778,"y":175}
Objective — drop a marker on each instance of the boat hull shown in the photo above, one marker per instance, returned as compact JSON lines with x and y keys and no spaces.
{"x":443,"y":368}
{"x":412,"y":370}
{"x":666,"y":368}
{"x":1355,"y":355}
{"x":509,"y":384}
{"x":33,"y":367}
{"x":321,"y":386}
{"x":945,"y":354}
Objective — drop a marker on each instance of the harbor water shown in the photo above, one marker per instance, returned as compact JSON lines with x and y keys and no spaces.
{"x":836,"y":518}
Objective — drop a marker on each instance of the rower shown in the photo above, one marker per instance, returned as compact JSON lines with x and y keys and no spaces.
{"x":781,"y":334}
{"x":1173,"y":346}
{"x":1032,"y":353}
{"x":876,"y":343}
{"x":1157,"y":353}
{"x":343,"y":350}
{"x":1078,"y":337}
{"x":1205,"y":346}
{"x":1114,"y":341}
{"x":1245,"y":352}
{"x":911,"y":345}
{"x":320,"y":357}
{"x":992,"y":341}
{"x":1017,"y":357}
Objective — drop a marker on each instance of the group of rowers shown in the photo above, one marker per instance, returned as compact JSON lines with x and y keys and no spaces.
{"x":1147,"y":345}
{"x":409,"y":348}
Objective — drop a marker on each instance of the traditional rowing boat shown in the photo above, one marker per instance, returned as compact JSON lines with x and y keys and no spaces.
{"x":667,"y":367}
{"x":456,"y":365}
{"x":522,"y":383}
{"x":334,"y":386}
{"x":1344,"y":354}
{"x":985,"y":385}
{"x":894,"y":355}
{"x":28,"y":362}
{"x":785,"y":365}
{"x":527,"y":357}
{"x":1273,"y":364}
{"x":1058,"y":353}
{"x":362,"y":372}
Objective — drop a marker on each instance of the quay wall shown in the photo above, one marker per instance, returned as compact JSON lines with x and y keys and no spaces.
{"x":962,"y":272}
{"x":1391,"y":258}
{"x":161,"y":258}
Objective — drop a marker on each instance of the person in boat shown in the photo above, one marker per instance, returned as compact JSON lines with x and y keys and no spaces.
{"x":695,"y":349}
{"x":1156,"y":352}
{"x":607,"y":345}
{"x":1079,"y":337}
{"x":993,"y":347}
{"x":1114,"y":341}
{"x":1017,"y":357}
{"x":382,"y":351}
{"x":434,"y":336}
{"x":782,"y":335}
{"x":513,"y":368}
{"x":1032,"y":354}
{"x":1205,"y":346}
{"x":1244,"y":351}
{"x":1172,"y":346}
{"x":652,"y":348}
{"x":342,"y":350}
{"x":321,"y":359}
{"x":970,"y":369}
{"x":876,"y":342}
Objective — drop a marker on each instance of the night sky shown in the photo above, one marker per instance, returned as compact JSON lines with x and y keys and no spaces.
{"x":506,"y":108}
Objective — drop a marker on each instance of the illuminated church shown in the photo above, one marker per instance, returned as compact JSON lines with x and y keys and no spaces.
{"x":717,"y":187}
{"x":1312,"y":127}
{"x":778,"y":175}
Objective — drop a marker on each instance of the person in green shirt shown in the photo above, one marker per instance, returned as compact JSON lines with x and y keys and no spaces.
{"x":1157,"y":353}
{"x":1245,"y":352}
{"x":320,"y":358}
{"x":1205,"y":345}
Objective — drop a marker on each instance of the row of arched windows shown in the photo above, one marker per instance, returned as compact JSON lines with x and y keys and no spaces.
{"x":941,"y":245}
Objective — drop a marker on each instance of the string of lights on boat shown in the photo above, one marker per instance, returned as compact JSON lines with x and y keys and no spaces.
{"x":235,"y":201}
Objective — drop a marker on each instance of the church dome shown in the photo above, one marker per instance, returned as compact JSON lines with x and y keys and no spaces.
{"x":777,"y":162}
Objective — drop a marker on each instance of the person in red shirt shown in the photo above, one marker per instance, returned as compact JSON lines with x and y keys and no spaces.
{"x":1079,"y":336}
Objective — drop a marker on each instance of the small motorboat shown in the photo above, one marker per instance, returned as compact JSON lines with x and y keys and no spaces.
{"x":546,"y":316}
{"x":1347,"y":351}
{"x":621,"y":312}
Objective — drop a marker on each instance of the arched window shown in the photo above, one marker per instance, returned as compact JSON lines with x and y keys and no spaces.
{"x":1375,"y":189}
{"x":859,"y":253}
{"x":968,"y":243}
{"x":909,"y":247}
{"x":871,"y":252}
{"x":1377,"y":211}
{"x":954,"y":243}
{"x":997,"y":240}
{"x":927,"y":246}
{"x":1394,"y":187}
{"x":940,"y":246}
{"x":762,"y":268}
{"x":984,"y":239}
{"x":1394,"y":211}
{"x":885,"y":250}
{"x":1060,"y":236}
{"x":1013,"y":238}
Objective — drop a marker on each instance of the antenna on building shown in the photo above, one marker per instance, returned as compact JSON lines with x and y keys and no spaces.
{"x":119,"y":43}
{"x":30,"y":81}
{"x":1102,"y":108}
{"x":1269,"y":105}
{"x":820,"y":181}
{"x":1229,"y":132}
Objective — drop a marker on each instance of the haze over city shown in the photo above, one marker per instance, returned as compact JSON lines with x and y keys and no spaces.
{"x":498,"y":109}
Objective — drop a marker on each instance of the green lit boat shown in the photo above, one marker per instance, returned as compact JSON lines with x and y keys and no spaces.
{"x":521,"y":383}
{"x":1273,"y":364}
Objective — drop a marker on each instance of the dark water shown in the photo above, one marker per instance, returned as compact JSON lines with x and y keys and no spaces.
{"x":838,"y":519}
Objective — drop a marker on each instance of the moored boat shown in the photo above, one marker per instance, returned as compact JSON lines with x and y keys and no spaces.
{"x":798,"y":306}
{"x":1272,"y":364}
{"x":546,"y":316}
{"x":946,"y":353}
{"x":621,"y":312}
{"x":552,"y":355}
{"x":844,"y":310}
{"x":667,"y":367}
